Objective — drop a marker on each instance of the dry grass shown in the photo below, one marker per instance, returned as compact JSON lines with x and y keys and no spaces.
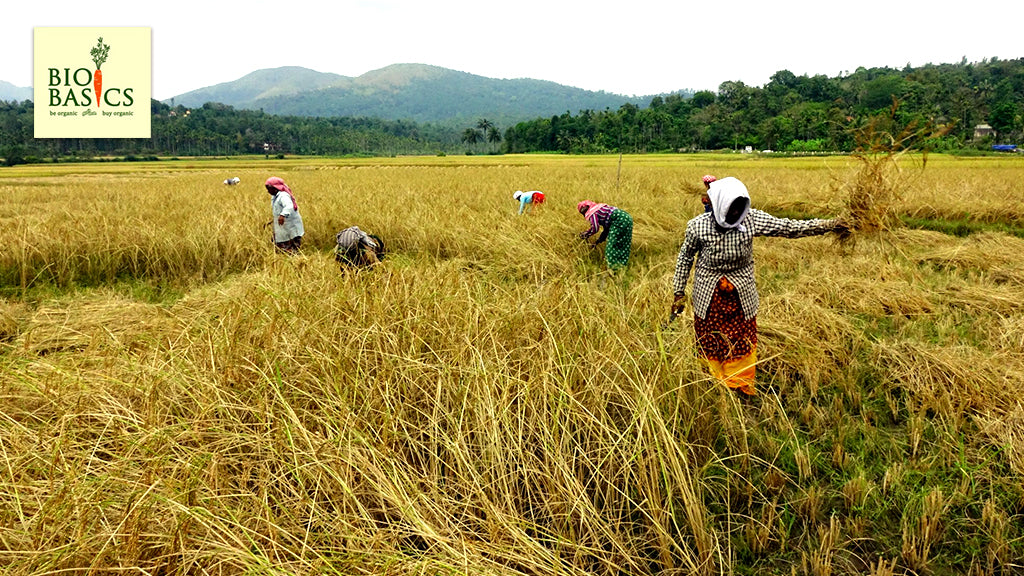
{"x":178,"y":399}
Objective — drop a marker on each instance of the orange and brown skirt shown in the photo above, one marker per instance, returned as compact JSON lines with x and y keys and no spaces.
{"x":727,"y":340}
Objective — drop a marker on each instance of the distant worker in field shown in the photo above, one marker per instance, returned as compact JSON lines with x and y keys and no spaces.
{"x":357,"y":248}
{"x":232,"y":181}
{"x":287,"y":221}
{"x":617,"y":227}
{"x":725,"y":299}
{"x":707,"y":179}
{"x":526,"y":199}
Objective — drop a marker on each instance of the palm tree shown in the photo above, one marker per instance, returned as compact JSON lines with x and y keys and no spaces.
{"x":471,"y":136}
{"x":493,"y":135}
{"x":484,"y":125}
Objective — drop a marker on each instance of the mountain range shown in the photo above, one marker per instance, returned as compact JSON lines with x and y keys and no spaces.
{"x":417,"y":92}
{"x":10,"y":92}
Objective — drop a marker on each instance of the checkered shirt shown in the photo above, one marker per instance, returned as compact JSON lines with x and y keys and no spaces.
{"x":731,"y":254}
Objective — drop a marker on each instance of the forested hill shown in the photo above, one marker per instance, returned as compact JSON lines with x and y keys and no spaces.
{"x":973,"y":105}
{"x":248,"y":90}
{"x":416,"y":92}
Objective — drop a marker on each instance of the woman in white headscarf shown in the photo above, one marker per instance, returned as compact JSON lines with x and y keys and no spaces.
{"x":725,"y":297}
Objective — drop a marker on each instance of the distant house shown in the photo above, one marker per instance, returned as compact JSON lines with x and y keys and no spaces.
{"x":983,"y":130}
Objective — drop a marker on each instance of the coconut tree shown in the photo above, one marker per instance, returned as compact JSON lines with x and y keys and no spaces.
{"x":493,"y":135}
{"x":471,"y":136}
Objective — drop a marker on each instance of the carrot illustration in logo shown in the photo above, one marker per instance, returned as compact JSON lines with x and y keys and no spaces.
{"x":99,"y":56}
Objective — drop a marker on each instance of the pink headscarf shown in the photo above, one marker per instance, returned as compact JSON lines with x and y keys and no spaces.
{"x":593,"y":210}
{"x":279,"y":185}
{"x":588,"y":208}
{"x":708,"y":179}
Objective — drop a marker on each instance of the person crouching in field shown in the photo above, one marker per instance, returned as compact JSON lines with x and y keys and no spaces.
{"x":725,"y":297}
{"x":287,"y":221}
{"x":526,"y":199}
{"x":618,"y":230}
{"x":357,"y":248}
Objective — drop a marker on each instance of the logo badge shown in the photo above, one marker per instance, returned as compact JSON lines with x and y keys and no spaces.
{"x":92,"y":82}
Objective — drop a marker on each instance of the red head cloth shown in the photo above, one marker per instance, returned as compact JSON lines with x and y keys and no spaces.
{"x":279,"y":185}
{"x":708,"y":179}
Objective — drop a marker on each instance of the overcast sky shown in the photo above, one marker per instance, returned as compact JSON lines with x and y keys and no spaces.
{"x":631,"y":48}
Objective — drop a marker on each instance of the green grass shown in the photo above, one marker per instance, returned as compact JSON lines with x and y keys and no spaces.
{"x":962,"y":227}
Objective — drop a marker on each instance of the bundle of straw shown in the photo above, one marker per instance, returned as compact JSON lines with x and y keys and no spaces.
{"x":872,"y":197}
{"x":874,"y":194}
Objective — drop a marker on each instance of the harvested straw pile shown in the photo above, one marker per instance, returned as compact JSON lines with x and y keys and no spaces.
{"x":102,"y":322}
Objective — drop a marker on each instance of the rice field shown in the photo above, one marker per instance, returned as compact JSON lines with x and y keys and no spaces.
{"x":177,"y":398}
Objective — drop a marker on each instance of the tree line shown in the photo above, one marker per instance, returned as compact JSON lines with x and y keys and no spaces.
{"x":798,"y":113}
{"x":789,"y":113}
{"x":219,"y":130}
